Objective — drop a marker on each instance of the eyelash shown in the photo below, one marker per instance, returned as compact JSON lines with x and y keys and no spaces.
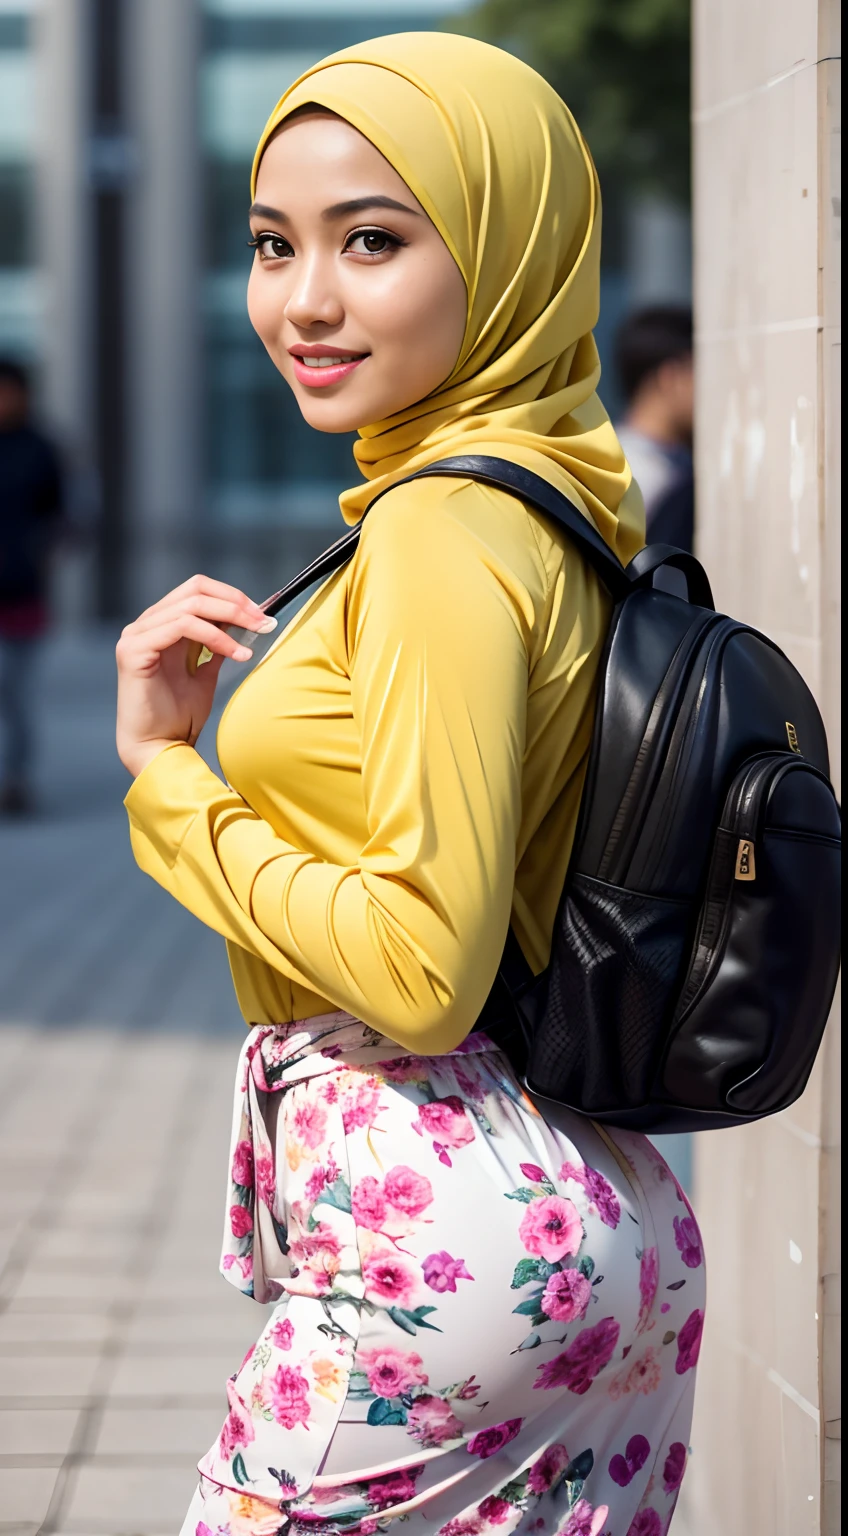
{"x":393,"y":242}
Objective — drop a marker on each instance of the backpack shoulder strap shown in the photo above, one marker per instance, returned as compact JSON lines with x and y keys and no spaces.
{"x":541,"y":495}
{"x":489,"y":471}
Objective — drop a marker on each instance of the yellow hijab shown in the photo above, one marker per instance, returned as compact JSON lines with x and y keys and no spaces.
{"x":496,"y":160}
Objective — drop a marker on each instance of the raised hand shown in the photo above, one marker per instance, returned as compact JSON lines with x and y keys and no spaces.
{"x":164,"y":695}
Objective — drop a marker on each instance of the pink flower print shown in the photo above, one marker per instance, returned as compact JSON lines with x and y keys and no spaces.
{"x":688,"y":1240}
{"x":241,"y":1221}
{"x":368,"y":1204}
{"x":238,"y":1429}
{"x":646,"y":1523}
{"x":689,"y":1342}
{"x":551,"y":1228}
{"x":533,"y":1172}
{"x":408,"y":1191}
{"x":578,"y":1366}
{"x":389,"y":1281}
{"x":585,"y":1520}
{"x":394,"y":1488}
{"x":265,"y":1180}
{"x":623,"y":1469}
{"x":462,"y":1525}
{"x":487,"y":1442}
{"x":544,"y":1472}
{"x":368,"y":1527}
{"x":392,"y":1371}
{"x":360,"y":1104}
{"x":644,"y":1374}
{"x":289,"y":1396}
{"x":318,"y":1180}
{"x":310,"y":1123}
{"x":649,"y":1279}
{"x":494,"y":1510}
{"x":468,"y":1390}
{"x":243,"y":1165}
{"x":319,"y":1252}
{"x":432,"y":1421}
{"x":447,"y":1121}
{"x":601,"y":1196}
{"x":282,"y":1334}
{"x":202,"y":1529}
{"x":567,"y":1296}
{"x":441,"y":1272}
{"x":675,"y":1466}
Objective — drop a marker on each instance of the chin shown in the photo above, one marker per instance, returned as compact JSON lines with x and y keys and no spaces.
{"x":329,"y":415}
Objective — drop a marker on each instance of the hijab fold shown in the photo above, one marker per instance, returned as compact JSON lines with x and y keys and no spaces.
{"x":497,"y":162}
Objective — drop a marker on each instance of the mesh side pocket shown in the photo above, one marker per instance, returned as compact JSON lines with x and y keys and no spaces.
{"x":616,"y":958}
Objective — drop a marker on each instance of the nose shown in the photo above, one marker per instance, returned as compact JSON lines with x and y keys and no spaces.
{"x":313,"y":299}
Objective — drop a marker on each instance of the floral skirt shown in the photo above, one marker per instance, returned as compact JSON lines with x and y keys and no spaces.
{"x":483,"y":1325}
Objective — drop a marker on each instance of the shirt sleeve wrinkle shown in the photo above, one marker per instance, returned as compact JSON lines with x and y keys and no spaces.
{"x":409,"y":938}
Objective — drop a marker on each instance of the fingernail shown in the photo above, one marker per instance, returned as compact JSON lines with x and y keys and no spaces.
{"x":268,"y":623}
{"x":243,"y":654}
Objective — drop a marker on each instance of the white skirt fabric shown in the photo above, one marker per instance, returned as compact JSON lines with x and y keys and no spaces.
{"x":484,"y":1325}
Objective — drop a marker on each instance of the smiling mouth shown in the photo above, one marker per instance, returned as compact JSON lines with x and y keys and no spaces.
{"x":316,"y":370}
{"x":342,"y":360}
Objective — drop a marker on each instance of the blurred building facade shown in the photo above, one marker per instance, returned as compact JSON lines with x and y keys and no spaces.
{"x":127,"y":130}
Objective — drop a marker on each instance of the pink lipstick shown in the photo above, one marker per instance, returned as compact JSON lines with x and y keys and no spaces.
{"x":317,"y":366}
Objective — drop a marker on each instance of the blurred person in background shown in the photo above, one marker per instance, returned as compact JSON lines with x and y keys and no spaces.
{"x":30,"y":516}
{"x":654,"y":359}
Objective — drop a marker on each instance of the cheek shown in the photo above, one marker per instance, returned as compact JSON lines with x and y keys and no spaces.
{"x":265,"y":303}
{"x":416,"y":321}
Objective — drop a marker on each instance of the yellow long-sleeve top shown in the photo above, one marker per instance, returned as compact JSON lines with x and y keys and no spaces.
{"x":404,"y":771}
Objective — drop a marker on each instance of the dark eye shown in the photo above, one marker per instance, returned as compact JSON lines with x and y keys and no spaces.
{"x":372,"y":242}
{"x":271,"y":247}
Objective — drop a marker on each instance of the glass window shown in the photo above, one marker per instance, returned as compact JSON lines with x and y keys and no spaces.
{"x":20,"y":290}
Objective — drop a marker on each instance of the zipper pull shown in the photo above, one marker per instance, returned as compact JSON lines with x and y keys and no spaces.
{"x":746,"y":866}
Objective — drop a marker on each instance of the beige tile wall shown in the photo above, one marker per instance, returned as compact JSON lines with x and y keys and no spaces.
{"x":766,"y":118}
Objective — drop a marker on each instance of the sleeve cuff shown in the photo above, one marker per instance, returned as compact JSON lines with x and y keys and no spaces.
{"x":167,"y":796}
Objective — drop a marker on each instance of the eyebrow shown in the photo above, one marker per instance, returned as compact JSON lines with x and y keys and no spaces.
{"x":337,"y":211}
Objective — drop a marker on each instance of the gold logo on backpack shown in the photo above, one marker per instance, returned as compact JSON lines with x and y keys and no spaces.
{"x":746,"y":868}
{"x":792,"y":737}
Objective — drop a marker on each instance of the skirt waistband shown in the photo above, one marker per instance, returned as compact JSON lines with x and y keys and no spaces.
{"x":280,"y":1054}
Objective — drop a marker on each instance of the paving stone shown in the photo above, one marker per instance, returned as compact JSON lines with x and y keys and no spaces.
{"x":34,"y":1431}
{"x":128,"y":1500}
{"x":183,"y":1432}
{"x":47,"y":1376}
{"x":25,"y":1492}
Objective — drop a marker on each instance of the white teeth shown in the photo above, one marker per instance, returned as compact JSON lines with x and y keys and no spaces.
{"x":326,"y":362}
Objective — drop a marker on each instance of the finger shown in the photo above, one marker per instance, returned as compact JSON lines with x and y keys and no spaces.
{"x":147,"y":648}
{"x":201,"y":586}
{"x":216,"y":610}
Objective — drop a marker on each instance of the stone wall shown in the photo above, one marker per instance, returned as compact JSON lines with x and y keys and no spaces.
{"x":767,"y":231}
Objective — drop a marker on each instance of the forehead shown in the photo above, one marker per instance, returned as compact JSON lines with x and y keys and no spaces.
{"x":317,"y":153}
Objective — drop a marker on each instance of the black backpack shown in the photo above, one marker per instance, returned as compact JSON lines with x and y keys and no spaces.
{"x":696,"y":946}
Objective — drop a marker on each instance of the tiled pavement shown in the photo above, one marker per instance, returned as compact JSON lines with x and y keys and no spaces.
{"x":118,"y":1039}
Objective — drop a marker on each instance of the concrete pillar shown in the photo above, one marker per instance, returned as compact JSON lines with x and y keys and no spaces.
{"x":766,"y":126}
{"x":63,"y":244}
{"x":165,"y":265}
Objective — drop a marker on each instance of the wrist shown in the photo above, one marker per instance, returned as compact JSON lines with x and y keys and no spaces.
{"x":135,"y":756}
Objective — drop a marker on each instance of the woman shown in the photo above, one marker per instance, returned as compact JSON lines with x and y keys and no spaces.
{"x":483,"y":1322}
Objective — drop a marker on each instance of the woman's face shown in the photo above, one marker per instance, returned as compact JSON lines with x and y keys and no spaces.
{"x":353,"y":290}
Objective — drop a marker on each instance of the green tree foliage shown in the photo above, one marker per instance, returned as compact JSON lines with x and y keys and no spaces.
{"x":623,"y":67}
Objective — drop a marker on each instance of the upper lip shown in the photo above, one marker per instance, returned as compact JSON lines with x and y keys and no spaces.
{"x":320,"y":349}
